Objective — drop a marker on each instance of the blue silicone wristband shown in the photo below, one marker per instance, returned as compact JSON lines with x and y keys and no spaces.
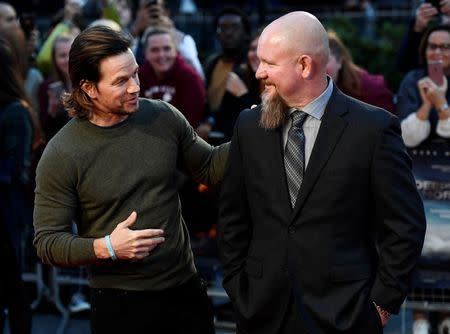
{"x":111,"y":252}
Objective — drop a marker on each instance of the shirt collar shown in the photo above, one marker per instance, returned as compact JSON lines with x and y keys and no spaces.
{"x":316,"y":107}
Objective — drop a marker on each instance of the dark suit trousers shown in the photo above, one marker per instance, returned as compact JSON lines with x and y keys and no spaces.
{"x":294,"y":324}
{"x":185,"y":309}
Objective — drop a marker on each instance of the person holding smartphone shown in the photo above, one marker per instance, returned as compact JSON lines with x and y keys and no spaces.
{"x":154,"y":14}
{"x":428,"y":12}
{"x":423,"y":95}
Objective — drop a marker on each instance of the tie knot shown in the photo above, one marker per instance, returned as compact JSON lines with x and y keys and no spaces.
{"x":298,"y":117}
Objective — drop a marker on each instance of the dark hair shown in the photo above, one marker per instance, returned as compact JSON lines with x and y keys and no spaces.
{"x":237,"y":12}
{"x":424,"y":41}
{"x":18,"y":44}
{"x":12,"y":87}
{"x":88,"y":50}
{"x":11,"y":84}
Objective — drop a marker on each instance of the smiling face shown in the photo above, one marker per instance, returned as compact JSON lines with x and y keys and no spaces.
{"x":116,"y":94}
{"x":161,"y":53}
{"x":278,"y":67}
{"x":230,"y":32}
{"x":438,"y":48}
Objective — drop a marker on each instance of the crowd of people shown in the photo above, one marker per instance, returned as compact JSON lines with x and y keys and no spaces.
{"x":73,"y":145}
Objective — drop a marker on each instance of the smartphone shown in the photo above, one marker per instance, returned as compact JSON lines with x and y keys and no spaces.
{"x":153,"y":8}
{"x":436,"y":72}
{"x":435,"y":3}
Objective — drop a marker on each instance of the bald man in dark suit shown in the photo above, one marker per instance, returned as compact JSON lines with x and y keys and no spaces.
{"x":320,"y":222}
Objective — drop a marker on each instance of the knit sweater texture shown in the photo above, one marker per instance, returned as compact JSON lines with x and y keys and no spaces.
{"x":96,"y":176}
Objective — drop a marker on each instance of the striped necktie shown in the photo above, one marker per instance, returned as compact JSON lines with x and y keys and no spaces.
{"x":294,"y":154}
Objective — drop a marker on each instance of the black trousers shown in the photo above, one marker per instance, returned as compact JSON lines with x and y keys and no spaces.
{"x":12,"y":290}
{"x":185,"y":309}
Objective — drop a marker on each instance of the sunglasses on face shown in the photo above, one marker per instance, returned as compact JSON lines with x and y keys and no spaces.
{"x":443,"y":47}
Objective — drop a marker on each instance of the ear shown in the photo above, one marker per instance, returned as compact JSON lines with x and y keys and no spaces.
{"x":305,"y":66}
{"x":89,"y":88}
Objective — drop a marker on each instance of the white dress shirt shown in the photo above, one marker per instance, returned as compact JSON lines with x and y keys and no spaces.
{"x":315,"y":110}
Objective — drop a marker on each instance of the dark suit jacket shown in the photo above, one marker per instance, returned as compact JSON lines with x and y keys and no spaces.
{"x":353,"y":237}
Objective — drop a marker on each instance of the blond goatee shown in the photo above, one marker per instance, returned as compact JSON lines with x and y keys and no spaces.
{"x":273,"y":111}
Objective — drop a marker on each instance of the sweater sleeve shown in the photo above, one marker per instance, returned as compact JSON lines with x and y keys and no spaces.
{"x":55,"y":212}
{"x":205,"y":163}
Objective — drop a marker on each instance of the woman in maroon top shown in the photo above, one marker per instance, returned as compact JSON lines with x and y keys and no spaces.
{"x":355,"y":81}
{"x":166,"y":76}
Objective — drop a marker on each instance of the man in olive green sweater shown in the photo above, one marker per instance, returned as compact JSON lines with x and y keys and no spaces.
{"x":112,"y":170}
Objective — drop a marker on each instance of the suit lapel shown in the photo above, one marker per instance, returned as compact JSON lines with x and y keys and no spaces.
{"x":330,"y":131}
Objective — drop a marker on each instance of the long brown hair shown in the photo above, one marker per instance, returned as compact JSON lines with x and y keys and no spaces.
{"x":349,"y":74}
{"x":88,"y":49}
{"x":12,"y":86}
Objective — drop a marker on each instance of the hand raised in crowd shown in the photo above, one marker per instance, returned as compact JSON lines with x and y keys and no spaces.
{"x":432,"y":96}
{"x":130,"y":244}
{"x":146,"y":16}
{"x":235,"y":85}
{"x":434,"y":93}
{"x":141,"y":22}
{"x":424,"y":13}
{"x":445,"y":7}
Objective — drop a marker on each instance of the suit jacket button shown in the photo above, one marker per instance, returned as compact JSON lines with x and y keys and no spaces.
{"x":291,"y":229}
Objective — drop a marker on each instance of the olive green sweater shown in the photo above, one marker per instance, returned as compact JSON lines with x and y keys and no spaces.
{"x":96,"y":176}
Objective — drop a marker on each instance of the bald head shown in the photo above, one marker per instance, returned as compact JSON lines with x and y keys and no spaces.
{"x":300,"y":33}
{"x":293,"y":52}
